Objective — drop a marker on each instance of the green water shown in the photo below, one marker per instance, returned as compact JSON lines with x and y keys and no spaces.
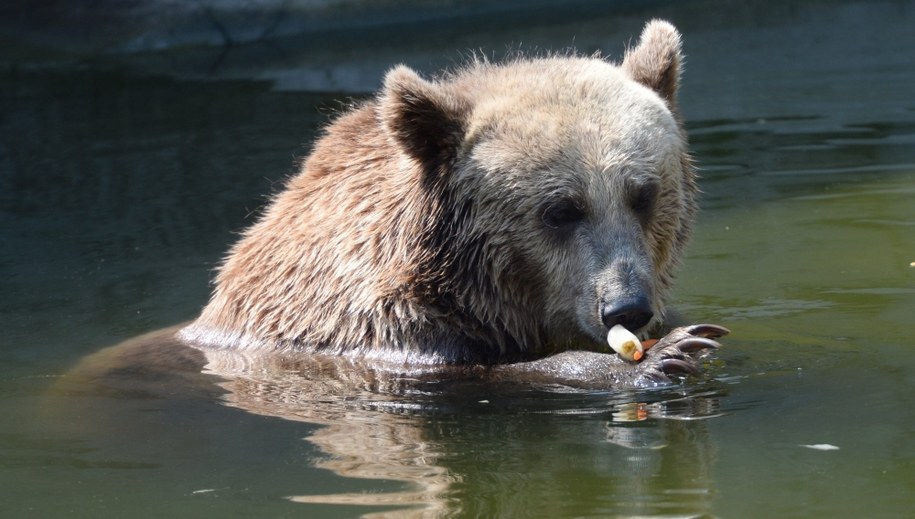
{"x":120,"y":191}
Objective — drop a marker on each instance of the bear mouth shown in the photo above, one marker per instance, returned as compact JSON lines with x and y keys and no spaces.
{"x":593,"y":337}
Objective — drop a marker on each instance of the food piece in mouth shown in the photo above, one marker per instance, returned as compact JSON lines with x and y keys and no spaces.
{"x":625,"y":343}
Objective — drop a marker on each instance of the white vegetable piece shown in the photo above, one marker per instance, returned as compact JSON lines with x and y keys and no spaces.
{"x":625,"y":343}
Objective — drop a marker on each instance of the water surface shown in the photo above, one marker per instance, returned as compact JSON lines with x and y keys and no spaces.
{"x":121,"y":190}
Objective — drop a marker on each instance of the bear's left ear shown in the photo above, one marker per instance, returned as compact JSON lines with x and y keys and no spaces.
{"x":426,"y":121}
{"x":655,"y":61}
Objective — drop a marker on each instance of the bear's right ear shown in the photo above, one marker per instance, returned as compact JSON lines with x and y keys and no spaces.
{"x":427,"y":122}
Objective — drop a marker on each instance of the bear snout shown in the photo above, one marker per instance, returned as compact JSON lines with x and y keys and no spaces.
{"x":632,"y":312}
{"x":624,"y":290}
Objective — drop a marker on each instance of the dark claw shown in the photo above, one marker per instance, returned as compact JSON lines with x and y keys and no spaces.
{"x":677,"y":366}
{"x":709,"y":331}
{"x":695,"y":344}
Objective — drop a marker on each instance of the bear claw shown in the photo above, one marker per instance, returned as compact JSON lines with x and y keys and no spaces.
{"x":695,"y":344}
{"x":677,"y":366}
{"x":708,"y":331}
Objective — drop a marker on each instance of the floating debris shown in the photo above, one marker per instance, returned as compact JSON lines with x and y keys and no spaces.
{"x":821,"y":447}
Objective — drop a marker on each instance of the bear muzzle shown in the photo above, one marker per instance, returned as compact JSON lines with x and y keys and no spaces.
{"x":624,"y":293}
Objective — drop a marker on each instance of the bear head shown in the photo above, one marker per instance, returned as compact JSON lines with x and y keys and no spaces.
{"x":564,"y":188}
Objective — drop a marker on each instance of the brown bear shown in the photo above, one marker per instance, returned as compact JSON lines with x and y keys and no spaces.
{"x":495,"y":216}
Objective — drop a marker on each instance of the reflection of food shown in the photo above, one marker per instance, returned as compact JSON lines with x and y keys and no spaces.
{"x":693,"y":407}
{"x":631,"y":412}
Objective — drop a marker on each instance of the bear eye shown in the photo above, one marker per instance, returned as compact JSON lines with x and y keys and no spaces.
{"x":562,"y":213}
{"x":643,"y":198}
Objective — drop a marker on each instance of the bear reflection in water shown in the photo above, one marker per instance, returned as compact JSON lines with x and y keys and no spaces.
{"x":480,"y":232}
{"x":447,"y":436}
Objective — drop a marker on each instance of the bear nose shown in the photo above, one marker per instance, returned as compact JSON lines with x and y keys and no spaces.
{"x":633,"y":313}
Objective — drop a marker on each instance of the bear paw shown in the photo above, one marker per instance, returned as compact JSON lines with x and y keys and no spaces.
{"x":678,"y":353}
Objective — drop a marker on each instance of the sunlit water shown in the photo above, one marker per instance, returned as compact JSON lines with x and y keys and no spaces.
{"x":119,"y":193}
